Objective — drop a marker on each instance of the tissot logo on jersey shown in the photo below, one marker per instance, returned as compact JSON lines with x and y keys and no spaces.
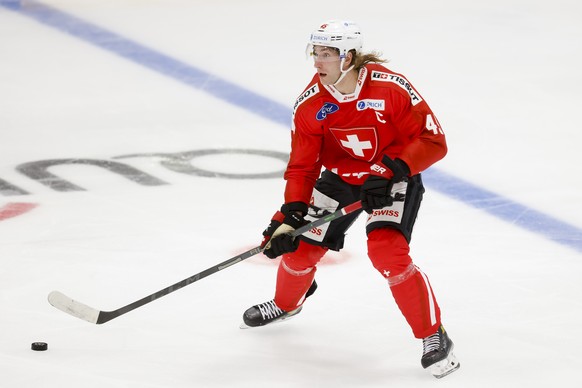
{"x":310,"y":92}
{"x":400,"y":81}
{"x":360,"y":143}
{"x":370,"y":104}
{"x":327,"y":109}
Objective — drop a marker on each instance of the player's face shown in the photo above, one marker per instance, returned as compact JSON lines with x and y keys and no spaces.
{"x":326,"y":61}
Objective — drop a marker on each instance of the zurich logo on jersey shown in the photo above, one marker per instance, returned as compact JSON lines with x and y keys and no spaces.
{"x":370,"y":104}
{"x":327,"y":109}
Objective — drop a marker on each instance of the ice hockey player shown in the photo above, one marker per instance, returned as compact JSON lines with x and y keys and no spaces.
{"x":373,"y":133}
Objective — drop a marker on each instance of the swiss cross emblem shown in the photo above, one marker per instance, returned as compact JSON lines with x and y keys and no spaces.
{"x":361,"y":143}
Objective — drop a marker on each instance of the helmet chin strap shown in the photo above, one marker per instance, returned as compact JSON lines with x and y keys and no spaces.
{"x":343,"y":72}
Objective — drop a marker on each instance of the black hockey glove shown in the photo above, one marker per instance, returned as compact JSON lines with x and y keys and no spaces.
{"x":276,"y":237}
{"x":376,"y":190}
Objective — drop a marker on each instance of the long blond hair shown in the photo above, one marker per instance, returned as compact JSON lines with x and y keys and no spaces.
{"x":361,"y":60}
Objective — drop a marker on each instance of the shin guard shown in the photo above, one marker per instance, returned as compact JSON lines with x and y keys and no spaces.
{"x":388,"y":250}
{"x":295,"y":275}
{"x":416,"y":301}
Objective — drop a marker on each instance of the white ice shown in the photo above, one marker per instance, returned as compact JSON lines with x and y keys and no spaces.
{"x":502,"y":76}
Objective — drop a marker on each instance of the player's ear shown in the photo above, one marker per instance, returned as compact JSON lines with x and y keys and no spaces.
{"x":349,"y":59}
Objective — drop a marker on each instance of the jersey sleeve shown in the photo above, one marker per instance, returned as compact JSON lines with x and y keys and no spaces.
{"x":304,"y":164}
{"x":424,"y":139}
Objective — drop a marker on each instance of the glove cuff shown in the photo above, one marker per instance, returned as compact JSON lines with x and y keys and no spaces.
{"x":278,"y":217}
{"x":390,"y":169}
{"x":292,"y":207}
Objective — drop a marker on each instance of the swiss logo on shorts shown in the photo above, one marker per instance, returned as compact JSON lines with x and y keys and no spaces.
{"x":361,"y":143}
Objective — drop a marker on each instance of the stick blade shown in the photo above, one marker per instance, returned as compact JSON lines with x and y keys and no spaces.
{"x":72,"y":307}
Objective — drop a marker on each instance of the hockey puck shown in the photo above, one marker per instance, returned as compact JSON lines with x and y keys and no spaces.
{"x":39,"y":346}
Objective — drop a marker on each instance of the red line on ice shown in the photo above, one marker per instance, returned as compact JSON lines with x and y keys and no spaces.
{"x":15,"y":209}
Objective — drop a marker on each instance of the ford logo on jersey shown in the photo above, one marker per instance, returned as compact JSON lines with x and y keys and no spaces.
{"x":327,"y":109}
{"x":371,"y":104}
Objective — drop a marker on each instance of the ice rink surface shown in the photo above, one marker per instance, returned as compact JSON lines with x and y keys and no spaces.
{"x":142,"y":141}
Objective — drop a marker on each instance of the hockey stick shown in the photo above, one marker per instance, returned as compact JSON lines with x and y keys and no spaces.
{"x":90,"y":314}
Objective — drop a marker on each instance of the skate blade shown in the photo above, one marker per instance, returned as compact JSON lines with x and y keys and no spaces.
{"x":444,"y":367}
{"x":286,"y":317}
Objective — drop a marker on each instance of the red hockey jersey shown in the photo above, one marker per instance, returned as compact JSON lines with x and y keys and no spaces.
{"x":348,"y":133}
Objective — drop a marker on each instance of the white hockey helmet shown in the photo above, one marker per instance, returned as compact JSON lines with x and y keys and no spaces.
{"x":344,"y":35}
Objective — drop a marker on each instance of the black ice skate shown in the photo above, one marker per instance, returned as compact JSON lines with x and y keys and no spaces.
{"x":437,"y":354}
{"x":265,"y":313}
{"x":268,"y":312}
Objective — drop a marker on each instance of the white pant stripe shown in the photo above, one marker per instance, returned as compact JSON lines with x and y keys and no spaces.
{"x":433,"y":320}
